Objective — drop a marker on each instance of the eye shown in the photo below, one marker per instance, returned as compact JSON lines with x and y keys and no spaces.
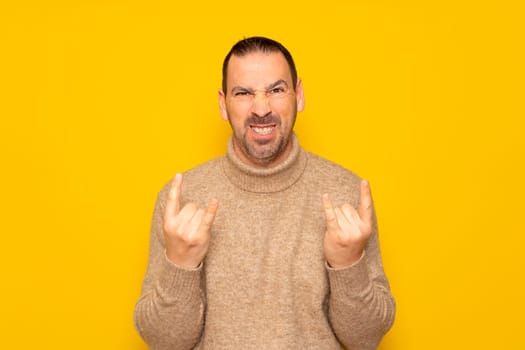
{"x":277,"y":90}
{"x":240,"y":93}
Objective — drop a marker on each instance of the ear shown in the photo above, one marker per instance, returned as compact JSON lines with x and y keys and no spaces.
{"x":299,"y":95}
{"x":222,"y":105}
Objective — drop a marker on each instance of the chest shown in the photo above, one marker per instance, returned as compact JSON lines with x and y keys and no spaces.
{"x":268,"y":246}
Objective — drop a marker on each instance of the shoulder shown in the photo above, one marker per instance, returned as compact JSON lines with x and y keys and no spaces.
{"x":203,"y":182}
{"x":332,"y":178}
{"x":205,"y":171}
{"x":198,"y":179}
{"x":330,"y":170}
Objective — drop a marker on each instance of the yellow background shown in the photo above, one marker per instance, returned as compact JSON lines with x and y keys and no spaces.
{"x":103,"y":101}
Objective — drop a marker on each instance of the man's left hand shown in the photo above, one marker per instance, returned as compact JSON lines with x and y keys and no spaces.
{"x":347,"y":229}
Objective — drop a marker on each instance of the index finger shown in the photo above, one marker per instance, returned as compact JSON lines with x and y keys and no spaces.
{"x":173,"y":201}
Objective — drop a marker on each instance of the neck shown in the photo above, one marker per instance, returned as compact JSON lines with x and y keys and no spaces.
{"x":266,"y":179}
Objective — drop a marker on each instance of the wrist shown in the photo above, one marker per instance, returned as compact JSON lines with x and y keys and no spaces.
{"x":187,"y":264}
{"x":346,"y":262}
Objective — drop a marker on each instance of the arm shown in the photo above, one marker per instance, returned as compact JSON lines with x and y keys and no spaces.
{"x":361,"y":307}
{"x":170,"y":311}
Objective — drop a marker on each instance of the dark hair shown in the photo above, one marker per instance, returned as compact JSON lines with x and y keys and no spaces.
{"x":257,"y":44}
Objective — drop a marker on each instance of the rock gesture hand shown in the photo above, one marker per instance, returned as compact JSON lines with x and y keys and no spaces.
{"x":347,"y":229}
{"x":186,"y":230}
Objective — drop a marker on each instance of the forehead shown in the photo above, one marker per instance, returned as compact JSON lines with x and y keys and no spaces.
{"x":258,"y":68}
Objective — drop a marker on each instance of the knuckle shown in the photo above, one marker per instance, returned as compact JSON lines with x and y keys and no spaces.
{"x":366,"y":228}
{"x":207,"y":220}
{"x":367,"y":232}
{"x":172,"y":194}
{"x":170,"y":230}
{"x":345,"y":240}
{"x":331,"y":218}
{"x":195,"y":240}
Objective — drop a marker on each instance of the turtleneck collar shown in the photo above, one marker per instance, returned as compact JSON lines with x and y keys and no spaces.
{"x":262,"y":180}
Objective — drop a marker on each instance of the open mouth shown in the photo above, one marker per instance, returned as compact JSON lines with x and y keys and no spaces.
{"x":262,"y":130}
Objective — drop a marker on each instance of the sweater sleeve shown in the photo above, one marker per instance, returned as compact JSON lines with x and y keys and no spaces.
{"x":170,"y":311}
{"x":361,"y":307}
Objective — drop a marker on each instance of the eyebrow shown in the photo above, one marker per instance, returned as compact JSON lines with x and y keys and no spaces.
{"x":277,"y":83}
{"x":269,"y":87}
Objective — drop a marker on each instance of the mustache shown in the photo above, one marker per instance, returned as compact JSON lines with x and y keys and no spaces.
{"x":267,"y":119}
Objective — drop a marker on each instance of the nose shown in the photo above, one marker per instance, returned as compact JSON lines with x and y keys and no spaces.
{"x":261,"y":105}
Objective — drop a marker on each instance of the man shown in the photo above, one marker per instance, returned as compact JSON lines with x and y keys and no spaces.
{"x":262,"y":248}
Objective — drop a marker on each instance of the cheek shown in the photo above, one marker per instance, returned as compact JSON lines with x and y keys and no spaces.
{"x":238,"y":110}
{"x":285,"y":108}
{"x":237,"y":116}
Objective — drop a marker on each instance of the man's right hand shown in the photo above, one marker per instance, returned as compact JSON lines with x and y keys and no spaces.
{"x":187,"y":230}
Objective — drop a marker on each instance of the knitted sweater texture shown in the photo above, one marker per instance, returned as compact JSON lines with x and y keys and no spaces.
{"x":264,"y":283}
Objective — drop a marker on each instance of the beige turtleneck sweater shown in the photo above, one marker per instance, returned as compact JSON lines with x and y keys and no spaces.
{"x":264,"y":283}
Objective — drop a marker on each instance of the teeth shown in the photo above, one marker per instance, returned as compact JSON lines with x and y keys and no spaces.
{"x":262,"y":131}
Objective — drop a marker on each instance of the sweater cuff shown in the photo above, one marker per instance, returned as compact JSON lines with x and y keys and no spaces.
{"x":178,"y":283}
{"x":350,"y":281}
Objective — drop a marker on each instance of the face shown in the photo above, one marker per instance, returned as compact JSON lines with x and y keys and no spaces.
{"x":261,"y":105}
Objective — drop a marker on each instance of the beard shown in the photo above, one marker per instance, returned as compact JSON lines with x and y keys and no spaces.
{"x":263,"y":152}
